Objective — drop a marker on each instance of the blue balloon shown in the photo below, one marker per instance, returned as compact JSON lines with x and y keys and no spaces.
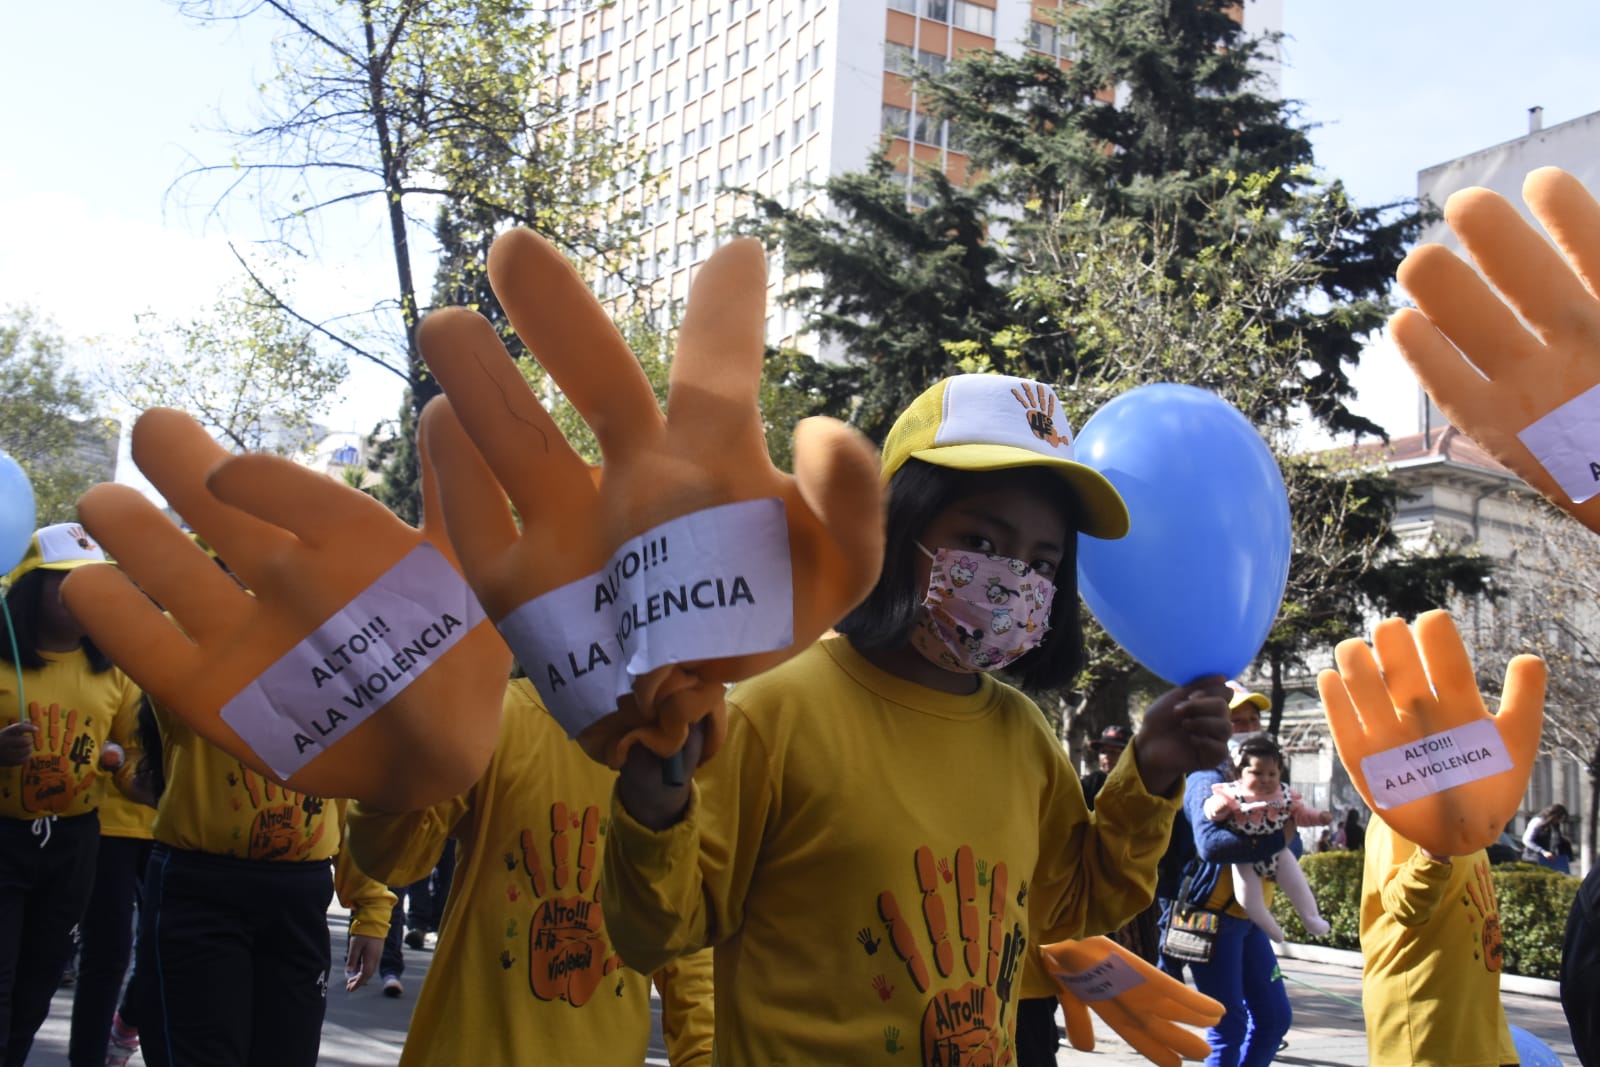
{"x":1194,"y":587}
{"x":1531,"y":1051}
{"x":16,"y":513}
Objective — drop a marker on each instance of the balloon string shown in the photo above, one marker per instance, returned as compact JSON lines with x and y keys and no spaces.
{"x":16,"y":658}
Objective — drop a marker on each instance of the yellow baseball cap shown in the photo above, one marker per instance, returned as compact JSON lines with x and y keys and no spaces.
{"x":989,"y":422}
{"x":63,"y":547}
{"x":1241,"y":695}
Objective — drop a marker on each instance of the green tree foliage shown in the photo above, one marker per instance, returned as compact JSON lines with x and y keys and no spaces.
{"x":410,"y":102}
{"x":1180,"y":234}
{"x":244,"y":369}
{"x":48,"y":412}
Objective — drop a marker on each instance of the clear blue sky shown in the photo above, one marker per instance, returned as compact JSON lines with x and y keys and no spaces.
{"x":107,"y":99}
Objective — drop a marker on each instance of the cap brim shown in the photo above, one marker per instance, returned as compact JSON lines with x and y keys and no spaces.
{"x":1257,"y":699}
{"x":1105,"y":513}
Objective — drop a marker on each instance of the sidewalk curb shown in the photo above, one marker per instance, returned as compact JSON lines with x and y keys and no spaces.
{"x":1340,"y":957}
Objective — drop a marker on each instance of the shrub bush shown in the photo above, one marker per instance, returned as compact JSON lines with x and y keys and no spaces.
{"x":1534,"y":902}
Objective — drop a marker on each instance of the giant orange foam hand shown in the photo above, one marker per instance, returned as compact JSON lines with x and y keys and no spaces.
{"x":1529,"y":396}
{"x":633,"y":591}
{"x":358,"y":663}
{"x":1417,"y":741}
{"x":1136,"y":1000}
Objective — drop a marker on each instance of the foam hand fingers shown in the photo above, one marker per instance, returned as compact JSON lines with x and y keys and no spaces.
{"x":567,"y":331}
{"x":1521,"y":717}
{"x":1449,"y":776}
{"x":1080,"y":1028}
{"x":1538,"y":409}
{"x":1139,"y":1002}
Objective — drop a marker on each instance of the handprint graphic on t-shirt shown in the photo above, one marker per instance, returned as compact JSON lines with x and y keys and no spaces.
{"x":285,"y":826}
{"x":1480,"y":898}
{"x":567,"y":947}
{"x":963,"y":1020}
{"x":61,"y":766}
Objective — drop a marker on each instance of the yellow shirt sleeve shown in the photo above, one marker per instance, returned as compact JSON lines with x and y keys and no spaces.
{"x":687,"y":1020}
{"x":369,"y":900}
{"x":401,"y":848}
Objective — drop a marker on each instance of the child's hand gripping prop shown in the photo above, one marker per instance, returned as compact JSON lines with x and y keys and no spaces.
{"x":1417,"y":741}
{"x":358,"y":663}
{"x":1529,"y":397}
{"x":636,"y":589}
{"x":1135,"y":999}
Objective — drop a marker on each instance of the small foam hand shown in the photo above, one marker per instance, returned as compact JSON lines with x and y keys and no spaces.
{"x":1139,"y":1002}
{"x":353,"y":661}
{"x":1417,"y":741}
{"x":1530,"y":397}
{"x":634,"y":590}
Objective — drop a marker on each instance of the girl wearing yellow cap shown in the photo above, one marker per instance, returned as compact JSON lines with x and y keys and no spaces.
{"x":70,"y":724}
{"x":889,"y":831}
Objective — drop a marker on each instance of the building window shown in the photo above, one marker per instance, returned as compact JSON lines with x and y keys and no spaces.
{"x":899,"y":58}
{"x":777,"y":144}
{"x":742,"y":175}
{"x":813,"y":118}
{"x":896,"y":121}
{"x":725,"y":177}
{"x":702,"y":187}
{"x":608,"y":40}
{"x":969,"y":16}
{"x":909,"y":6}
{"x":747,"y":111}
{"x":938,"y":10}
{"x":728,"y":118}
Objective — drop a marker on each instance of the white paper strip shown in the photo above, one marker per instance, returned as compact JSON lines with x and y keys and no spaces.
{"x":355,"y":662}
{"x":1435,"y":763}
{"x":1106,"y":980}
{"x":1566,"y":442}
{"x":709,"y":584}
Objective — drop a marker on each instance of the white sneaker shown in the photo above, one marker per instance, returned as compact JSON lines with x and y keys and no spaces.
{"x":392,"y":986}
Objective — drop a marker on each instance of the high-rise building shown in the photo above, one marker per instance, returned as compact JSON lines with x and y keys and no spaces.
{"x":778,"y":95}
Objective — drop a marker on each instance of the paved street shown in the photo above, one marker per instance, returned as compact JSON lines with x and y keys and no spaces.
{"x":362,"y":1029}
{"x":366,"y":1029}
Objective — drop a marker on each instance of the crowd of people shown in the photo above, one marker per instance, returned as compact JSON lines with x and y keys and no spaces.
{"x":885,"y":837}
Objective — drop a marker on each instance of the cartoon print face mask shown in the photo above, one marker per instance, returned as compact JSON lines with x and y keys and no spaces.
{"x":980,"y":612}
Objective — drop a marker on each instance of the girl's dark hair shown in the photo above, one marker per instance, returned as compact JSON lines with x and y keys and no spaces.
{"x":917,"y":493}
{"x":1554,"y":811}
{"x":1260,"y":747}
{"x":152,"y":763}
{"x":25,"y":604}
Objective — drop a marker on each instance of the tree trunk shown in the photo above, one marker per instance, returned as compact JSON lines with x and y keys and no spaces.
{"x":1278,"y":695}
{"x":423,"y":387}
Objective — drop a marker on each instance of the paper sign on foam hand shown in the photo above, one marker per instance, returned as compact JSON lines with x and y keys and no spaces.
{"x":1417,"y":741}
{"x":354,"y":661}
{"x":1530,"y":397}
{"x":635,"y":590}
{"x":1142,"y":1004}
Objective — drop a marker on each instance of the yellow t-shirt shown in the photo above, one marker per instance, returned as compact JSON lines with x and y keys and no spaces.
{"x":121,"y":817}
{"x":874,"y":861}
{"x":76,"y":711}
{"x":213,"y":803}
{"x":1430,"y":944}
{"x":524,"y":970}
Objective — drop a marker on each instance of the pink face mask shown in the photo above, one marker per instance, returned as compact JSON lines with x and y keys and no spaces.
{"x":980,"y":612}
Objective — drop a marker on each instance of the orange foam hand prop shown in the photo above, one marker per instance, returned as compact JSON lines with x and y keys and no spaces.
{"x":1530,"y":397}
{"x":353,"y":662}
{"x":1417,"y":741}
{"x":1139,"y":1002}
{"x":636,"y":589}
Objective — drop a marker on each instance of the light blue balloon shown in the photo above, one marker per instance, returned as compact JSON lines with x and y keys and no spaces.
{"x":1194,"y":587}
{"x":1531,"y":1051}
{"x":16,"y":513}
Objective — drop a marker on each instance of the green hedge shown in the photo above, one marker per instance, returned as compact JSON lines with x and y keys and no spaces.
{"x":1534,"y":902}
